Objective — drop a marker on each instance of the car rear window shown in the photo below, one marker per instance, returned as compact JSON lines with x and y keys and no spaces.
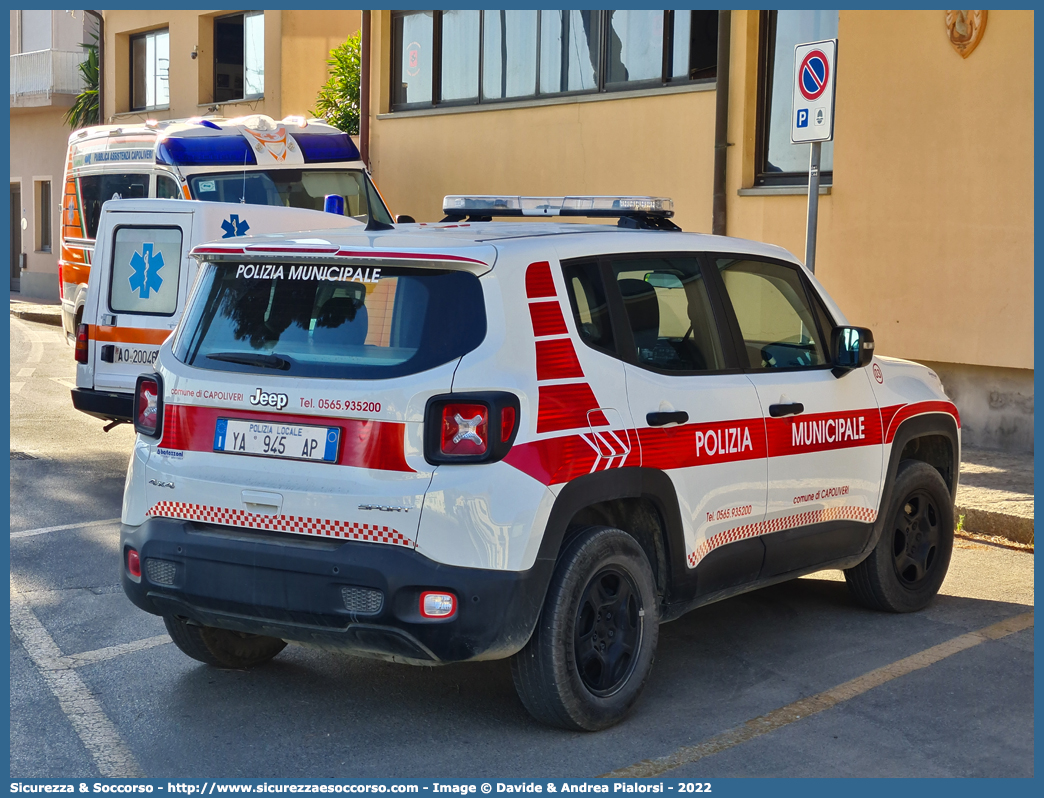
{"x":338,"y":322}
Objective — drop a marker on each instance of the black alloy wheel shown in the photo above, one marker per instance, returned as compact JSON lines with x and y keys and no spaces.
{"x":908,"y":564}
{"x":608,"y":631}
{"x":916,"y":539}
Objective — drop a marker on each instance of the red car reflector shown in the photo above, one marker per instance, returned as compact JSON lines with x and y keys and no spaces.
{"x":61,"y":284}
{"x":83,"y":336}
{"x":146,"y":406}
{"x":465,"y":429}
{"x":133,"y":563}
{"x":507,"y":423}
{"x":437,"y":605}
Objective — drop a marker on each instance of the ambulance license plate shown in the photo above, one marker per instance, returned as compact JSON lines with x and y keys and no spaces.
{"x":275,"y":439}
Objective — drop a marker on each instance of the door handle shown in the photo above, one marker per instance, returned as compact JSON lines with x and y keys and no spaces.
{"x":660,"y":419}
{"x":792,"y":409}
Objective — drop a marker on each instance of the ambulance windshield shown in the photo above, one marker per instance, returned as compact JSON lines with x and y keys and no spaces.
{"x":294,"y":188}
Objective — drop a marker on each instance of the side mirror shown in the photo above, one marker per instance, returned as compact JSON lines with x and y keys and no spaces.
{"x":402,"y":218}
{"x":853,"y":347}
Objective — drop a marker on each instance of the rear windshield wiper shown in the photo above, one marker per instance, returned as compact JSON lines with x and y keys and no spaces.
{"x":252,"y":359}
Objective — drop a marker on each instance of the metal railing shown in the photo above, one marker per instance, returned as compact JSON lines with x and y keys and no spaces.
{"x":45,"y":72}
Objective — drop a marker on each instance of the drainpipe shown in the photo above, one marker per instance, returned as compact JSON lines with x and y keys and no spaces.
{"x":364,"y":91}
{"x":101,"y":61}
{"x":721,"y":121}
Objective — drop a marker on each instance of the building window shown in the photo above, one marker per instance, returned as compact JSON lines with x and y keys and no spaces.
{"x":239,"y":56}
{"x":43,"y":215}
{"x":470,"y":57}
{"x":35,"y":30}
{"x":778,"y":161}
{"x":150,"y":67}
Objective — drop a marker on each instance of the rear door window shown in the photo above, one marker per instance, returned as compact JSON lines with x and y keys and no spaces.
{"x":95,"y":190}
{"x":669,"y":313}
{"x":146,"y":270}
{"x":339,"y":322}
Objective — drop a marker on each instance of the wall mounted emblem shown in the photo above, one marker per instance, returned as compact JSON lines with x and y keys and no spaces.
{"x":965,"y":29}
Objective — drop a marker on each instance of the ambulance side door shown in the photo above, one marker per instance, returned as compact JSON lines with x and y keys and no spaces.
{"x":142,"y":295}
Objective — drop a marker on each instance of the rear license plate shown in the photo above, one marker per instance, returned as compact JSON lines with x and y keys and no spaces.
{"x":276,"y":439}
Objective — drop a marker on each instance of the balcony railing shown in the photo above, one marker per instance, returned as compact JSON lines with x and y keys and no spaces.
{"x":37,"y":75}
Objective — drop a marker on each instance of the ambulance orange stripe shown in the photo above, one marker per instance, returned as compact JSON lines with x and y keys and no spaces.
{"x":128,"y":335}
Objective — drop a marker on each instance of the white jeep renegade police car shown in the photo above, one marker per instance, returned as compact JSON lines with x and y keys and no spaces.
{"x":476,"y":440}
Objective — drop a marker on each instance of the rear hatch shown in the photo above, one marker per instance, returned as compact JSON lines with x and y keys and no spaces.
{"x":137,"y":293}
{"x":295,"y":391}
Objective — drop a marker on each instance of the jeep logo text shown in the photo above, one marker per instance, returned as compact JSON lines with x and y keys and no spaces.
{"x":276,"y":400}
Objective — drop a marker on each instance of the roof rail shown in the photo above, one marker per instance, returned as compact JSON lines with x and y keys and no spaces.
{"x":636,"y":212}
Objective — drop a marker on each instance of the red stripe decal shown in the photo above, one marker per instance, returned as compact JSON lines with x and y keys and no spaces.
{"x":553,"y":460}
{"x":556,"y":360}
{"x":364,"y":444}
{"x":918,"y":409}
{"x":321,"y":527}
{"x":538,"y":280}
{"x":566,"y":407}
{"x":820,"y":432}
{"x":702,"y":444}
{"x":547,"y":319}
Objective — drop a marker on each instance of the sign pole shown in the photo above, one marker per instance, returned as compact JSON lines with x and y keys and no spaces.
{"x":812,"y":121}
{"x":813,"y":207}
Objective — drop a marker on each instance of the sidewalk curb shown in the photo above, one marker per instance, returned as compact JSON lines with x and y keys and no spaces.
{"x":54,"y":319}
{"x":985,"y":522}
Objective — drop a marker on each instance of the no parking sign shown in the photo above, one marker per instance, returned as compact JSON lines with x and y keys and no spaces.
{"x":813,"y":109}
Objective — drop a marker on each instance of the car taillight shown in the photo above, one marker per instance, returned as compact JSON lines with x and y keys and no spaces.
{"x":133,"y":563}
{"x":148,"y":405}
{"x":437,"y":605}
{"x":465,"y":429}
{"x":470,"y":427}
{"x":83,"y":337}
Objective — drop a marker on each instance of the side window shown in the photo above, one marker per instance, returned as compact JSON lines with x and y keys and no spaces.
{"x":98,"y":189}
{"x":146,"y":264}
{"x":587,"y":300}
{"x":167,"y":188}
{"x":778,"y":327}
{"x":669,"y":313}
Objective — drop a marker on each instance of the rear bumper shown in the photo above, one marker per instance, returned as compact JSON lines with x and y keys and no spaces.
{"x":104,"y":404}
{"x":291,"y":588}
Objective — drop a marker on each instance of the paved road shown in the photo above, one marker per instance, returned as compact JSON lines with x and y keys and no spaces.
{"x":96,"y":689}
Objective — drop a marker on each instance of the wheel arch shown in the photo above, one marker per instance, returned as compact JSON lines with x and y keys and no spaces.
{"x":640,"y":501}
{"x":932,"y":438}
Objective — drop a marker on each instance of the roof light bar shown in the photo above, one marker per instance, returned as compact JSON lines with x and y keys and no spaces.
{"x":650,"y":212}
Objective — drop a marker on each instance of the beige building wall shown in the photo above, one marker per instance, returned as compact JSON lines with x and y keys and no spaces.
{"x":297,"y":44}
{"x":39,"y":139}
{"x":926,"y":235}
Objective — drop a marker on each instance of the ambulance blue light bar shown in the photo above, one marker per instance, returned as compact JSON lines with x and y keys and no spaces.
{"x":610,"y":206}
{"x":651,"y":212}
{"x":205,"y":151}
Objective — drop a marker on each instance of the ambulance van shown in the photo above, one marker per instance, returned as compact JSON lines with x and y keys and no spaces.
{"x":141,"y":278}
{"x":256,"y":160}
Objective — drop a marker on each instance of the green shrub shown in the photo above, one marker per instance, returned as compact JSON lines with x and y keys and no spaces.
{"x":338,"y":100}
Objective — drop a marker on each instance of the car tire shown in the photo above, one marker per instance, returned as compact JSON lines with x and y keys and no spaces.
{"x":222,"y":648}
{"x":908,"y":565}
{"x":584,"y":669}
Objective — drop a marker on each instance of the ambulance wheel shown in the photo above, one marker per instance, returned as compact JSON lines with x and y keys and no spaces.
{"x":907,"y":567}
{"x":221,"y":647}
{"x":595,"y":641}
